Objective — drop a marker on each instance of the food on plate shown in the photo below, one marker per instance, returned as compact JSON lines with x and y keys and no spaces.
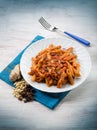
{"x":55,"y":66}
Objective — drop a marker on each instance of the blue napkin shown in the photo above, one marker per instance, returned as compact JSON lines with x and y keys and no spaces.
{"x":50,"y":100}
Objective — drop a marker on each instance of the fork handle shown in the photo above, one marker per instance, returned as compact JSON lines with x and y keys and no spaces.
{"x":81,"y":40}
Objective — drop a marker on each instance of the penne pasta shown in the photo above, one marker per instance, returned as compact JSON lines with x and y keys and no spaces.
{"x":55,"y":66}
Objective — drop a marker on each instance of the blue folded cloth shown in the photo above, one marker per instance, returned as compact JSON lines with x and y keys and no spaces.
{"x":50,"y":100}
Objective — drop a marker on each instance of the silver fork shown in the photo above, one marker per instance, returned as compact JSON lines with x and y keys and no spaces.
{"x":49,"y":27}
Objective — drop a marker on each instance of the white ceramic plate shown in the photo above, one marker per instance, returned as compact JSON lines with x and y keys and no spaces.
{"x":35,"y":48}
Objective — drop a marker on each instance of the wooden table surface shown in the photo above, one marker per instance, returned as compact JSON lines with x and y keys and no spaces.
{"x":18,"y":26}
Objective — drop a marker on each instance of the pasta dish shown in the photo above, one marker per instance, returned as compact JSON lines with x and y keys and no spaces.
{"x":55,"y":66}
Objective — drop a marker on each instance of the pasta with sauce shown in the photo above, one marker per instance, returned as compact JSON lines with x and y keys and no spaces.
{"x":55,"y":66}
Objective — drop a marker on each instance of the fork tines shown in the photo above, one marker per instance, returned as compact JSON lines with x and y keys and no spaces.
{"x":44,"y":23}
